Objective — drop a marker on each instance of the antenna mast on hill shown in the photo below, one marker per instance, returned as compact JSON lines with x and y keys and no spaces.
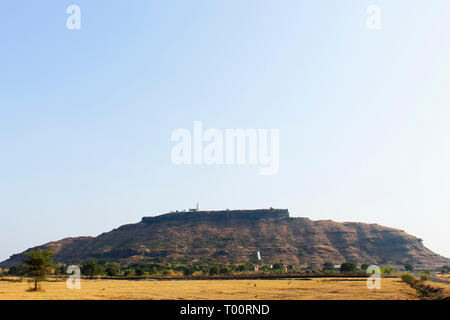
{"x":195,"y":209}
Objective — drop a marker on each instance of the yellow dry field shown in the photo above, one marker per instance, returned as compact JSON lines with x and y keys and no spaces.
{"x":445,"y":286}
{"x":286,"y":289}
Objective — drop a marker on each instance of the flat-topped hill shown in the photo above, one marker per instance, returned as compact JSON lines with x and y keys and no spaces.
{"x":234,"y":236}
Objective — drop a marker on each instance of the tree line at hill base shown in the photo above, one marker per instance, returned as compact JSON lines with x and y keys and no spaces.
{"x":38,"y":264}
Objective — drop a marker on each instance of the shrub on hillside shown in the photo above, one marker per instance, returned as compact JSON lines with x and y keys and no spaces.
{"x":409,"y":267}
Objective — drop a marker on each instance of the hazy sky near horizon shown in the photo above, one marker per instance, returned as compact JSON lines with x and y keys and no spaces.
{"x":86,"y":115}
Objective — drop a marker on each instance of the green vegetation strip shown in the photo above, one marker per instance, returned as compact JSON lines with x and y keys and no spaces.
{"x":425,"y":291}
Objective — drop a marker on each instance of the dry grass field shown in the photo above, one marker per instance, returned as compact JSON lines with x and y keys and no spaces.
{"x":286,"y":289}
{"x":444,"y":286}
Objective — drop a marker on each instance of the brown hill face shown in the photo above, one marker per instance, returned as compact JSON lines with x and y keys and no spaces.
{"x":235,"y":236}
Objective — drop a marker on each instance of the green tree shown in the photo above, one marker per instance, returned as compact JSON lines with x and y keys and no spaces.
{"x":246,"y":267}
{"x":278,"y":266}
{"x":16,"y":271}
{"x":348,"y":267}
{"x":112,"y":269}
{"x":129,"y":272}
{"x":409,"y":279}
{"x":214,"y":270}
{"x":139,"y":272}
{"x":409,"y":267}
{"x":188,"y":270}
{"x":90,"y":269}
{"x":38,"y":264}
{"x":445,"y":269}
{"x":364,"y":267}
{"x":328,"y":266}
{"x":60,"y":269}
{"x":387,"y":270}
{"x":224,"y":270}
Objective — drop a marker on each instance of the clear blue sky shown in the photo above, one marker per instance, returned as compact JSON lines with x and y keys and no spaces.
{"x":86,"y":116}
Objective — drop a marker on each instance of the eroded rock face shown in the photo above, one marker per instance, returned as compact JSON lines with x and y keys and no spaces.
{"x":234,"y":236}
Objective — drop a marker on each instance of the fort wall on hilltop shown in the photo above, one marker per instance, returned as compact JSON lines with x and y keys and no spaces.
{"x":219,"y":214}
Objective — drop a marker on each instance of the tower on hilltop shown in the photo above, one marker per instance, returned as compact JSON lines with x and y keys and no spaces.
{"x":196,"y":209}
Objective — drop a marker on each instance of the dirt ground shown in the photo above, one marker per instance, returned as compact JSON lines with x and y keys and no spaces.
{"x":285,"y":289}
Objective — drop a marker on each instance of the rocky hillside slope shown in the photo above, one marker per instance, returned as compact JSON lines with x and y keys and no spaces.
{"x":235,"y":236}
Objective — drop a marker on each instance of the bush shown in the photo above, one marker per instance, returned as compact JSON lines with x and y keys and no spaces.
{"x":424,"y":277}
{"x":16,"y":271}
{"x":246,"y":267}
{"x":409,"y":279}
{"x":445,"y":269}
{"x":129,"y":272}
{"x":214,"y":270}
{"x":172,"y":274}
{"x":140,"y":272}
{"x":278,"y":266}
{"x":224,"y":270}
{"x":364,"y":267}
{"x":60,"y":269}
{"x":328,"y":266}
{"x":188,"y":270}
{"x":423,"y":290}
{"x":348,"y":267}
{"x":112,"y":269}
{"x":409,"y":267}
{"x":387,"y":270}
